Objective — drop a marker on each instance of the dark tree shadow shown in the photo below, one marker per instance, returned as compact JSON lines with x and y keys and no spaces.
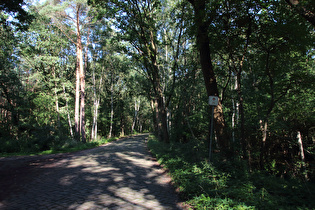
{"x":120,"y":175}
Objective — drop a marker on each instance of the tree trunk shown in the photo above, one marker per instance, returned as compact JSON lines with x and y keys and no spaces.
{"x":155,"y":115}
{"x":68,"y":114}
{"x":300,"y":143}
{"x":111,"y":106}
{"x":263,"y":128}
{"x":264,"y":123}
{"x":137,"y":107}
{"x":95,"y":107}
{"x":95,"y":118}
{"x":96,"y":103}
{"x":161,"y":114}
{"x":56,"y":100}
{"x":122,"y":125}
{"x":77,"y":116}
{"x":235,"y":113}
{"x":158,"y":125}
{"x":81,"y":78}
{"x":77,"y":100}
{"x":163,"y":120}
{"x":203,"y":45}
{"x":241,"y":111}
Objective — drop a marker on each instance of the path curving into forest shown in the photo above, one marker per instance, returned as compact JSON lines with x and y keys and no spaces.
{"x":118,"y":175}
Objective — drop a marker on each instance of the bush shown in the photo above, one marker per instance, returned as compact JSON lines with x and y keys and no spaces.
{"x":44,"y":140}
{"x":229,"y":184}
{"x":205,"y":202}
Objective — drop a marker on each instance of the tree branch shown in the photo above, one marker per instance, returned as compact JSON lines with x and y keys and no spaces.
{"x":305,"y":13}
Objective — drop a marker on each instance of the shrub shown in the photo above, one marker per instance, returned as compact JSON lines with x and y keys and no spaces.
{"x":227,"y":184}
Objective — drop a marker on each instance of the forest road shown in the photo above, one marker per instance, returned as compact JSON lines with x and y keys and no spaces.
{"x":118,"y":175}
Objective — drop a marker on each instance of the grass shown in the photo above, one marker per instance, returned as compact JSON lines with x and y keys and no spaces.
{"x":227,"y":185}
{"x":68,"y":145}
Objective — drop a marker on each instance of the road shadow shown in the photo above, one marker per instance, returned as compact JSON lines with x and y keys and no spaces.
{"x":120,"y":175}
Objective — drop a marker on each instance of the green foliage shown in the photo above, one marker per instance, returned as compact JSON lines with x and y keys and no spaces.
{"x":40,"y":146}
{"x":19,"y":16}
{"x":227,"y":185}
{"x":206,"y":202}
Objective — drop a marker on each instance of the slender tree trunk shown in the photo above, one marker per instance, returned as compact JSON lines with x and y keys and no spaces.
{"x":137,"y":107}
{"x":264,"y":123}
{"x":300,"y":143}
{"x":241,"y":111}
{"x":122,"y":123}
{"x":93,"y":134}
{"x":96,"y":117}
{"x":93,"y":124}
{"x":111,"y":106}
{"x":245,"y":144}
{"x":96,"y":103}
{"x":77,"y":101}
{"x":263,"y":128}
{"x":56,"y":100}
{"x":235,"y":108}
{"x":68,"y":114}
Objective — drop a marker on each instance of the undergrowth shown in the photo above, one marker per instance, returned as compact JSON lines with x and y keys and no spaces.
{"x":227,"y":185}
{"x":68,"y":145}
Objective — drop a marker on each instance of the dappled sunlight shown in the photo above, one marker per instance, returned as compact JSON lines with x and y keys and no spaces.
{"x":118,"y":176}
{"x":135,"y":160}
{"x":67,"y":180}
{"x":98,"y":179}
{"x":98,"y":169}
{"x":83,"y":161}
{"x":137,"y":197}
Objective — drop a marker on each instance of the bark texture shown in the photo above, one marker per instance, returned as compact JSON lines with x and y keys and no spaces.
{"x":202,"y":22}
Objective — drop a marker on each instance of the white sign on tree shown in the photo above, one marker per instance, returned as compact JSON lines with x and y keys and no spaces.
{"x":213,"y":100}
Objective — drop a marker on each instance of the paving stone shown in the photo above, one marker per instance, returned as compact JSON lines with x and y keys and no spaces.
{"x":119,"y":175}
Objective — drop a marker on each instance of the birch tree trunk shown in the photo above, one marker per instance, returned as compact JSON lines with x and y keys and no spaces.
{"x":94,"y":107}
{"x":300,"y":143}
{"x":137,"y":107}
{"x":56,"y":98}
{"x":111,"y":106}
{"x":68,"y":114}
{"x":96,"y":104}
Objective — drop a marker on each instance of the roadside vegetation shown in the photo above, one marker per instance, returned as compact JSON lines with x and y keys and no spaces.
{"x":228,"y":184}
{"x":33,"y":148}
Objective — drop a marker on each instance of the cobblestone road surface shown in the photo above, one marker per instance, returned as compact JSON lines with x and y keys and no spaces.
{"x":119,"y":175}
